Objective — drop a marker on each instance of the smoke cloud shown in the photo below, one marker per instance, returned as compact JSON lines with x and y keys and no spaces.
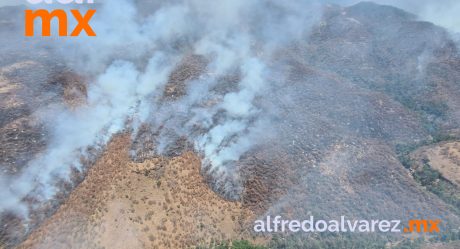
{"x":130,"y":63}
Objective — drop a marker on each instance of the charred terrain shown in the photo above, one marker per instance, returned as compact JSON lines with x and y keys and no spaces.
{"x":364,"y":122}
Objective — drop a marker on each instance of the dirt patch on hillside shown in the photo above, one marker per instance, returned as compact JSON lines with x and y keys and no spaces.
{"x":159,"y":203}
{"x":190,"y":68}
{"x":72,"y":87}
{"x":443,"y":157}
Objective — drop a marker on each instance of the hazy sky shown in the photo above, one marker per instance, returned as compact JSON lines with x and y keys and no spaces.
{"x":441,"y":12}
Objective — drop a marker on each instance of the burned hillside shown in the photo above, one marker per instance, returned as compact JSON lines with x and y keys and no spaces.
{"x":184,"y":130}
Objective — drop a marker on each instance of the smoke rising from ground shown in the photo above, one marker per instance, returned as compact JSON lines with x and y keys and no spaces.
{"x":129,"y":64}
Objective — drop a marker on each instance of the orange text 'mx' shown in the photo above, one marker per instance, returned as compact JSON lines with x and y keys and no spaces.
{"x":61,"y":15}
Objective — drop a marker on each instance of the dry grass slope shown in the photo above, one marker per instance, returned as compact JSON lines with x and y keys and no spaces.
{"x":160,"y":203}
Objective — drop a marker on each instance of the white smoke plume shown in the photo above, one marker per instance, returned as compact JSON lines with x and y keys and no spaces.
{"x":130,"y":62}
